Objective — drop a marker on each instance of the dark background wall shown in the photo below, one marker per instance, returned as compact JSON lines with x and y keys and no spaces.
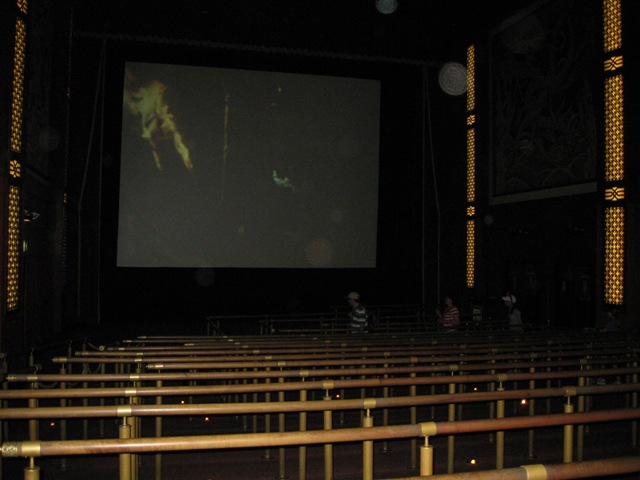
{"x":547,"y":251}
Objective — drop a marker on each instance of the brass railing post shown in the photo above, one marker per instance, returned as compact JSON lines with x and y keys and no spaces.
{"x":367,"y":450}
{"x":500,"y":434}
{"x":33,"y":424}
{"x":426,"y":459}
{"x":385,"y":411}
{"x":302,"y":450}
{"x":328,"y":447}
{"x":85,"y":403}
{"x":451,"y":438}
{"x":267,"y":419}
{"x":102,"y":402}
{"x":532,"y":412}
{"x":492,"y":406}
{"x":254,"y":397}
{"x":32,"y":472}
{"x":124,"y":431}
{"x":158,"y":422}
{"x":634,"y":404}
{"x":567,"y":456}
{"x":282,"y":474}
{"x":580,"y":428}
{"x":245,"y":419}
{"x":413,"y":419}
{"x":63,"y":422}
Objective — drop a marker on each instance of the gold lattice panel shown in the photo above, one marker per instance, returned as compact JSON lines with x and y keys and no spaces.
{"x":612,"y":24}
{"x":471,"y":165}
{"x":613,"y":63}
{"x":22,"y":6}
{"x":614,"y":194}
{"x":614,"y":255}
{"x":471,"y":253}
{"x":614,"y":128}
{"x":18,"y":85}
{"x":15,"y":169}
{"x":471,"y":120}
{"x":471,"y":78}
{"x":13,"y":248}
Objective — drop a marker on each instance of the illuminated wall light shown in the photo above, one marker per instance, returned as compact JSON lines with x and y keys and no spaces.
{"x":18,"y":85}
{"x":471,"y":165}
{"x":13,"y":247}
{"x":614,"y":129}
{"x":471,"y":253}
{"x":614,"y":194}
{"x":471,"y":78}
{"x":15,"y":169}
{"x":22,"y":6}
{"x":614,"y":255}
{"x":612,"y":25}
{"x":614,"y":63}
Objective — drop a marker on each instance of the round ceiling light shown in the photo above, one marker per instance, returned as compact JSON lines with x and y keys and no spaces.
{"x":453,"y":78}
{"x":386,"y":6}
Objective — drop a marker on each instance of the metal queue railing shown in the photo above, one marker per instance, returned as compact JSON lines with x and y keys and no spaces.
{"x":585,"y":363}
{"x":565,"y":471}
{"x":126,"y":446}
{"x":137,"y":411}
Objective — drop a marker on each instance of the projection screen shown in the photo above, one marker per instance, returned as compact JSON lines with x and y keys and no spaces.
{"x":249,"y":169}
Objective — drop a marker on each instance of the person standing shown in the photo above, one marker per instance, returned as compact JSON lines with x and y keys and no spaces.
{"x":358,"y":313}
{"x":513,"y":313}
{"x":449,"y":320}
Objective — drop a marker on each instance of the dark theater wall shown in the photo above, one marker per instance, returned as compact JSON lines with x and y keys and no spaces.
{"x":548,"y":250}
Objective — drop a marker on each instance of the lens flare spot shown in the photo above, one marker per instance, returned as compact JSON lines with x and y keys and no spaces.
{"x":319,"y":252}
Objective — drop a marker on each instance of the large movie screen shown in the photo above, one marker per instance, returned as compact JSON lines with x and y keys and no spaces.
{"x":247,"y":169}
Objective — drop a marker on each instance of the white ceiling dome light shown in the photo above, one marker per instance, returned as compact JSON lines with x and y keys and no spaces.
{"x":386,"y":6}
{"x":453,"y":78}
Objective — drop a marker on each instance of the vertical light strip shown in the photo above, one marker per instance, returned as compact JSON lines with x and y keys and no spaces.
{"x":13,"y":248}
{"x":614,"y":210}
{"x":14,"y":209}
{"x":612,"y":10}
{"x":18,"y":85}
{"x":471,"y":252}
{"x":614,"y":255}
{"x":471,"y":78}
{"x":471,"y":167}
{"x":614,"y":129}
